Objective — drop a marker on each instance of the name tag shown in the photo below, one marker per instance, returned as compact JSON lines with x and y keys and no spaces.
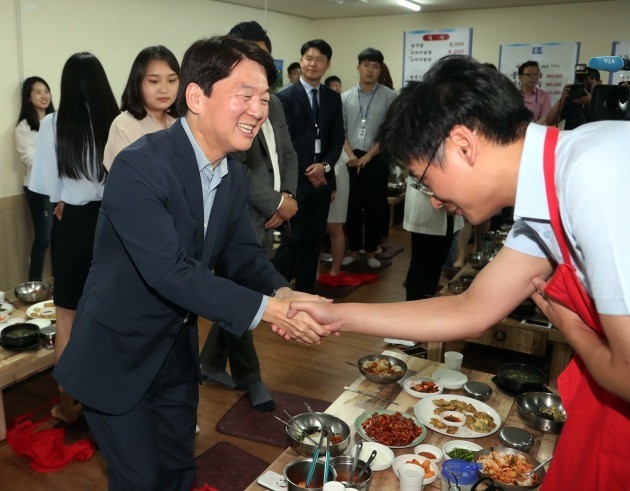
{"x":362,"y":133}
{"x":318,"y":146}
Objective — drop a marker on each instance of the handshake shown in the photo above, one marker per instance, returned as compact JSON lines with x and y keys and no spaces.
{"x":300,"y":316}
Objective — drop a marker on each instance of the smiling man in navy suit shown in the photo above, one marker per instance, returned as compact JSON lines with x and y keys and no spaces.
{"x":173,"y":241}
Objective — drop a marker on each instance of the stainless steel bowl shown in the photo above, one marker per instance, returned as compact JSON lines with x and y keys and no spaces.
{"x":531,"y":460}
{"x":297,"y":471}
{"x":467,"y":279}
{"x":304,"y":446}
{"x":33,"y":291}
{"x":529,"y":405}
{"x":343,"y":466}
{"x":382,"y":379}
{"x":479,"y":259}
{"x":477,"y":390}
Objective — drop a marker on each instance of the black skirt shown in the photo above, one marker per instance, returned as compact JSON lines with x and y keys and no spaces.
{"x":73,"y":241}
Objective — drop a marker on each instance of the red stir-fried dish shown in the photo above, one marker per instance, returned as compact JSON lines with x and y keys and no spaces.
{"x":425,"y":386}
{"x":393,"y":430}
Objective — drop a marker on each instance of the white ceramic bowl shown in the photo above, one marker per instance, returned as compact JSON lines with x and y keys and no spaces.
{"x":384,"y":455}
{"x":432,"y":449}
{"x":401,"y":459}
{"x":450,"y":379}
{"x":453,"y":418}
{"x":409,"y":382}
{"x":453,"y":444}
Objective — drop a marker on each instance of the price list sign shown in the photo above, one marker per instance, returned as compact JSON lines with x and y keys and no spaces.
{"x":556,"y":60}
{"x":423,"y":48}
{"x":619,"y":48}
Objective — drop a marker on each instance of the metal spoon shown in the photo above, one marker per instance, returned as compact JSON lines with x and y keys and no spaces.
{"x":365,"y":468}
{"x":314,"y":415}
{"x":298,"y":429}
{"x":302,"y":430}
{"x":356,"y":458}
{"x":327,"y":459}
{"x":537,"y":467}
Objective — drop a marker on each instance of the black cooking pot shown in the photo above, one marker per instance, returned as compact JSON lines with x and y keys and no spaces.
{"x":519,"y":377}
{"x":20,"y":336}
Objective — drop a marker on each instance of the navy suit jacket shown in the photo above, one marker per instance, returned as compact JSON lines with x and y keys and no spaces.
{"x":152,"y":266}
{"x":299,"y":116}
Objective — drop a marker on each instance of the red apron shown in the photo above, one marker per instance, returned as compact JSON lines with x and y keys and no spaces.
{"x":592,"y":451}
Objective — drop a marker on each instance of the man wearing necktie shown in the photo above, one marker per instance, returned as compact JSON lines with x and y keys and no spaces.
{"x":315,"y":119}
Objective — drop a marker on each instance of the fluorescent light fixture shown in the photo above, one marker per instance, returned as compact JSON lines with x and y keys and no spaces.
{"x":410,"y":5}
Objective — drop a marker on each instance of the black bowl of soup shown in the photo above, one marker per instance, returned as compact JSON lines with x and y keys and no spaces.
{"x":20,"y":336}
{"x":519,"y":377}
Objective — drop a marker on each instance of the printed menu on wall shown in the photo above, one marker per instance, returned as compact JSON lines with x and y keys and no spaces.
{"x":423,"y":48}
{"x":619,"y":48}
{"x":557,"y":63}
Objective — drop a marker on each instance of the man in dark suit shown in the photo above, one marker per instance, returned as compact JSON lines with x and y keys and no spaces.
{"x":174,"y":210}
{"x":315,"y":119}
{"x":271,"y":170}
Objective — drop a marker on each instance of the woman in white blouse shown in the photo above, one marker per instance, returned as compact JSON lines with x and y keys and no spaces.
{"x":68,"y":168}
{"x":148,"y":102}
{"x":36,"y":103}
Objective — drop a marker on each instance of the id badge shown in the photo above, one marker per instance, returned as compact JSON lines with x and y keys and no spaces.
{"x":318,"y":146}
{"x":362,"y":133}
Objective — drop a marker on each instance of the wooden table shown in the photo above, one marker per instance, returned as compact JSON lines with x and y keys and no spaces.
{"x":16,"y":366}
{"x":513,"y":334}
{"x":349,"y":406}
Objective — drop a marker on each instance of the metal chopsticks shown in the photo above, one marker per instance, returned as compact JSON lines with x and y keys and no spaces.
{"x":369,"y":395}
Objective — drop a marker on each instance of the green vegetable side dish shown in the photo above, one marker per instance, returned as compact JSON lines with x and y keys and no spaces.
{"x":462,"y":454}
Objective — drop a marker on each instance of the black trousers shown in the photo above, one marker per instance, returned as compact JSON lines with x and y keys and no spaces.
{"x":298,"y":256}
{"x":150,"y":448}
{"x":428,"y":253}
{"x":41,"y":210}
{"x":368,"y":209}
{"x":221,"y":346}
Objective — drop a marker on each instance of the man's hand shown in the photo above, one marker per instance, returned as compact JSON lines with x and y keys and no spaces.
{"x":58,"y":211}
{"x":322,"y":313}
{"x":316,"y":174}
{"x":274,"y":221}
{"x":363,"y":161}
{"x":288,"y":208}
{"x":300,"y":327}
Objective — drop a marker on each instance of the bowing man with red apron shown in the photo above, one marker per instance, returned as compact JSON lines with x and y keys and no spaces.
{"x":592,"y":451}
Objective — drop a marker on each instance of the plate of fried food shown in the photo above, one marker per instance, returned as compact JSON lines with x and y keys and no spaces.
{"x":481,"y":419}
{"x":42,"y":310}
{"x":390,"y":428}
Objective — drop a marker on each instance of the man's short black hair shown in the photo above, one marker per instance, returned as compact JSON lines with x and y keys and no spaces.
{"x":331,"y":79}
{"x":210,"y":60}
{"x":457,"y":90}
{"x":319,"y":44}
{"x":293,"y":66}
{"x":528,"y":63}
{"x":371,"y":54}
{"x":251,"y":31}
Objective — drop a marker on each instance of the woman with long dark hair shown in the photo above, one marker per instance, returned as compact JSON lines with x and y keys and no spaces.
{"x":36,"y":103}
{"x":68,"y":168}
{"x":148,"y":102}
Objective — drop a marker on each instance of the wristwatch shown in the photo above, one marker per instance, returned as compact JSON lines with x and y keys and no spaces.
{"x":289,"y":194}
{"x":326,"y":166}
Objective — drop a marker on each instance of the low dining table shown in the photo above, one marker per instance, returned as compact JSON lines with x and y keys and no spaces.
{"x":349,"y":406}
{"x":16,"y":366}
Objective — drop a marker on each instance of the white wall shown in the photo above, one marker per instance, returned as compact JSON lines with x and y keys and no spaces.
{"x":115,"y":30}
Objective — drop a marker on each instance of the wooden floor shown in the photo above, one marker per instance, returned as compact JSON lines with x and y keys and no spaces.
{"x":317,"y":371}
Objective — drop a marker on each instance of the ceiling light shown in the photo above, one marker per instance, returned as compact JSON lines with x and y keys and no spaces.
{"x":410,"y":5}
